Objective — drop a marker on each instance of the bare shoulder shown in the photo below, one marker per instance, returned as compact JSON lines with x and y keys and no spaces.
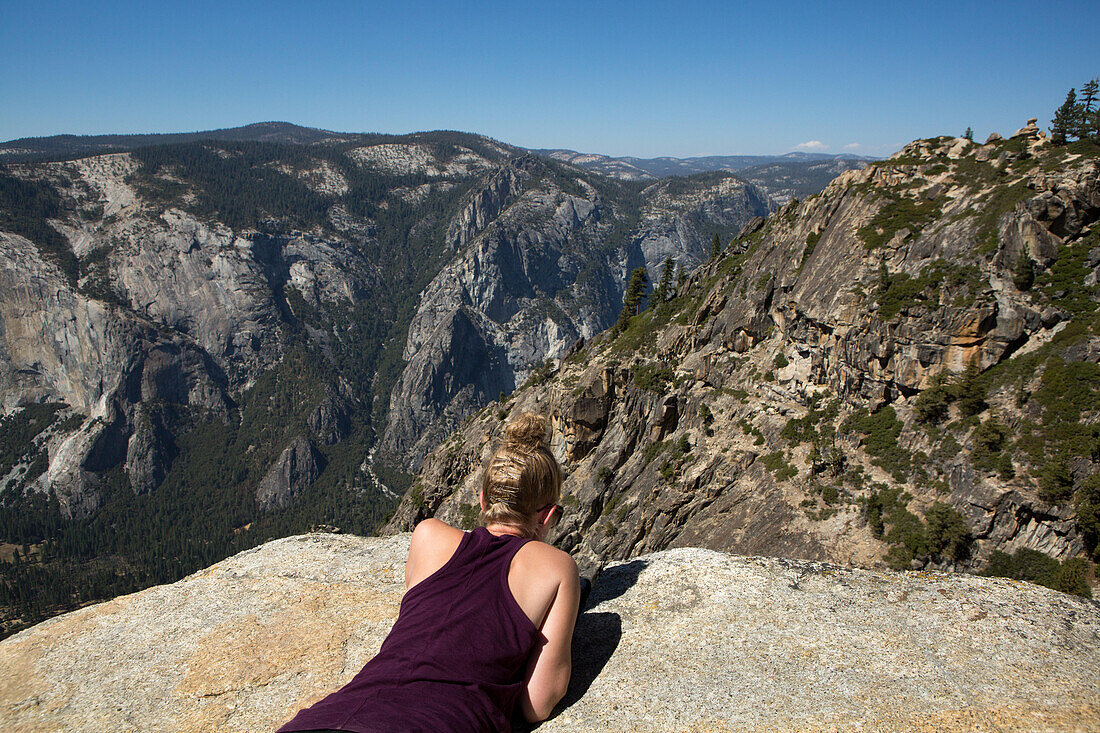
{"x":430,"y":531}
{"x":547,"y":559}
{"x":433,"y":542}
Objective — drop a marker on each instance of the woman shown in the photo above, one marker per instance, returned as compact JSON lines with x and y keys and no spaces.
{"x":487,"y":617}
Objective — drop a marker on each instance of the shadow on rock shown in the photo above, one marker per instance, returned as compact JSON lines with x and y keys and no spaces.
{"x":594,"y":641}
{"x":613,"y":582}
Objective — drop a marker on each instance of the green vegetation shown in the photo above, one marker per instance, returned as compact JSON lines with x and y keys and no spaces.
{"x":677,"y":454}
{"x":653,"y":450}
{"x":881,"y":431}
{"x":971,"y":391}
{"x":946,"y":534}
{"x":1066,"y":392}
{"x":899,"y":291}
{"x":1023,"y":275}
{"x":707,"y":417}
{"x":25,"y":208}
{"x":990,"y":440}
{"x":777,"y":465}
{"x":1077,"y":118}
{"x":652,"y":376}
{"x":632,"y":300}
{"x":1088,"y":513}
{"x":750,"y":429}
{"x":235,"y":183}
{"x":664,"y":286}
{"x":1035,"y":567}
{"x":469,"y":516}
{"x":1001,"y":201}
{"x":811,"y":244}
{"x":19,"y":430}
{"x":932,"y":404}
{"x":815,"y":426}
{"x":1064,"y":282}
{"x":898,"y":213}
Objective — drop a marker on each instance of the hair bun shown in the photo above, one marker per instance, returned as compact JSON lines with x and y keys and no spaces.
{"x":526,"y":431}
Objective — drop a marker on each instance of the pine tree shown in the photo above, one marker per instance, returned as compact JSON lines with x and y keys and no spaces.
{"x":664,"y":287}
{"x":632,"y":300}
{"x":969,"y":134}
{"x":681,"y":277}
{"x":1089,"y":116}
{"x":715,"y":247}
{"x":1065,"y":122}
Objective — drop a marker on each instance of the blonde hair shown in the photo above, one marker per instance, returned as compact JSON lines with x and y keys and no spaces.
{"x":521,"y":477}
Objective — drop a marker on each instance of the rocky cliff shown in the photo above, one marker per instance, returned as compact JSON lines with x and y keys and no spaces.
{"x":685,"y":639}
{"x":902,"y":369}
{"x":272,"y":328}
{"x":540,"y":263}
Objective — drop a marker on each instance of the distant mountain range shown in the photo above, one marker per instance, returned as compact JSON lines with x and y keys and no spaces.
{"x":782,"y":177}
{"x":644,"y":168}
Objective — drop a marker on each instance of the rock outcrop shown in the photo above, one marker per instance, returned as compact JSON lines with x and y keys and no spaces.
{"x":903,"y":344}
{"x":686,"y":639}
{"x":296,"y":468}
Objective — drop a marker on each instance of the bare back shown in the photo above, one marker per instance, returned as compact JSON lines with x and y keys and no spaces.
{"x":543,"y":580}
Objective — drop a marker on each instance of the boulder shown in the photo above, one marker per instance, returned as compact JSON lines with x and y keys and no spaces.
{"x":1030,"y":130}
{"x":684,"y":639}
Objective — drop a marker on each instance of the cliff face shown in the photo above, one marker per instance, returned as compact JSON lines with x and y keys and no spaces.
{"x":271,"y":329}
{"x":901,"y":369}
{"x":540,"y":263}
{"x":686,"y":639}
{"x":169,"y":304}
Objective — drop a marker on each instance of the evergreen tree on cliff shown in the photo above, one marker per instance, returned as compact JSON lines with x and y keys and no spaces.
{"x":715,"y":247}
{"x":1089,"y":125}
{"x":635,"y":290}
{"x":664,"y":287}
{"x":1065,"y":122}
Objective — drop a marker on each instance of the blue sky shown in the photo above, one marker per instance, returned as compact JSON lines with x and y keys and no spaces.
{"x":632,"y":78}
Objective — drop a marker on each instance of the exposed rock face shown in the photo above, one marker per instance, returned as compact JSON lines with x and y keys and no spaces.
{"x":730,"y":417}
{"x":174,"y":312}
{"x":681,"y":640}
{"x":295,"y":470}
{"x":537,"y":268}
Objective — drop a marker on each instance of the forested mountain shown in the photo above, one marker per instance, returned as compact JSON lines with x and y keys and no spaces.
{"x":61,"y":147}
{"x":902,"y":370}
{"x":209,"y":343}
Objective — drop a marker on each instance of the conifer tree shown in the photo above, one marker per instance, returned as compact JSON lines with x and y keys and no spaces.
{"x":664,"y":287}
{"x":715,"y":247}
{"x":1065,"y":122}
{"x":969,"y":134}
{"x":681,"y":277}
{"x":1088,"y":127}
{"x":632,"y":300}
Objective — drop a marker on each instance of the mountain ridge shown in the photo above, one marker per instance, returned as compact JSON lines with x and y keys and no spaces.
{"x":876,"y":375}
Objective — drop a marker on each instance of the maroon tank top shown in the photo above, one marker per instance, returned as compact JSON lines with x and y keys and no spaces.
{"x":453,"y":661}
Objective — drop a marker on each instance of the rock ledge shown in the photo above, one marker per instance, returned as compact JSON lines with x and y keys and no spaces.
{"x":684,"y":639}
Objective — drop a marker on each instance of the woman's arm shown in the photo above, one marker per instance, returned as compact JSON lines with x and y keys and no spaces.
{"x":551,"y":663}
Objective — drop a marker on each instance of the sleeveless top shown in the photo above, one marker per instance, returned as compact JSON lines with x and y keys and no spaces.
{"x":454,"y":660}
